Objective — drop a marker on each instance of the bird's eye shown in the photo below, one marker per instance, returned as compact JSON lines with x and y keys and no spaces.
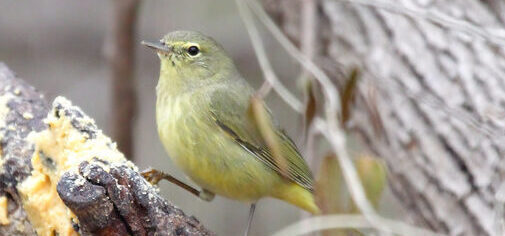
{"x":193,"y":50}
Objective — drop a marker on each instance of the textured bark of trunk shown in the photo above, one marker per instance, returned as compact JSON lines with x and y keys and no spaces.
{"x":431,"y":102}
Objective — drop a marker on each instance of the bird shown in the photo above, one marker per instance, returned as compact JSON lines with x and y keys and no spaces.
{"x":207,"y":126}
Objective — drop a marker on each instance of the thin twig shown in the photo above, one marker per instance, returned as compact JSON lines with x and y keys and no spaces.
{"x":351,"y":177}
{"x":264,"y":90}
{"x":310,"y":147}
{"x":331,"y":94}
{"x":307,"y":44}
{"x":308,"y":28}
{"x":265,"y":127}
{"x":259,"y":49}
{"x":345,"y":221}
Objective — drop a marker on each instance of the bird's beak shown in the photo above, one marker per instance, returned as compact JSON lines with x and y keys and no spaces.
{"x":156,"y":46}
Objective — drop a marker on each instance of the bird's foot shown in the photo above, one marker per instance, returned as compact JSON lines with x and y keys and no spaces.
{"x":206,"y":195}
{"x":152,"y":176}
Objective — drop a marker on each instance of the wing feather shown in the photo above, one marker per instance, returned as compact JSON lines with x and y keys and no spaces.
{"x":231,"y":114}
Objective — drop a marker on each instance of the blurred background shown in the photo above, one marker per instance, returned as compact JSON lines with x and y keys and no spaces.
{"x":58,"y":47}
{"x":429,"y":103}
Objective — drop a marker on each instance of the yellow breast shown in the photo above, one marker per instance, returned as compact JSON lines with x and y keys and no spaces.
{"x":213,"y":160}
{"x":207,"y":155}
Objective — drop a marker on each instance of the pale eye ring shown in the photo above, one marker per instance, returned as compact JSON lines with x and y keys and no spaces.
{"x":193,"y":50}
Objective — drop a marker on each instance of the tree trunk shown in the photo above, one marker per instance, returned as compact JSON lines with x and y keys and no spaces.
{"x":431,"y":102}
{"x":119,"y":52}
{"x":60,"y":175}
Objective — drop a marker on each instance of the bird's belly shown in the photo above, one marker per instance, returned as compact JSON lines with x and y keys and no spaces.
{"x":234,"y":178}
{"x":214,"y":161}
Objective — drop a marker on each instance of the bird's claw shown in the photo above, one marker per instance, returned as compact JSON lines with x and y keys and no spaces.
{"x":152,"y":176}
{"x":206,"y":195}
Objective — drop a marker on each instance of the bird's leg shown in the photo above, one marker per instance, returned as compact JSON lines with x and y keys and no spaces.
{"x":249,"y":221}
{"x":154,"y":176}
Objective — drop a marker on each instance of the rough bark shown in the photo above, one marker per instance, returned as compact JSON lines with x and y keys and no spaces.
{"x":431,"y":103}
{"x":108,"y":198}
{"x":16,"y":151}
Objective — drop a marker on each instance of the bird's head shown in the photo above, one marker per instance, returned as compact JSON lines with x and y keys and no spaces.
{"x":191,"y":57}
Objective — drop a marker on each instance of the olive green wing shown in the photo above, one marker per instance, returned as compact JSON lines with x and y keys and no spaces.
{"x":230,"y":111}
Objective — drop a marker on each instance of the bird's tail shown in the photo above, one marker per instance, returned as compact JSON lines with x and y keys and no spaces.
{"x":298,"y":196}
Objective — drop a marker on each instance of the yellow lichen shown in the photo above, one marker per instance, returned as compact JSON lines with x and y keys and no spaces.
{"x":58,"y":150}
{"x":4,"y":216}
{"x":46,"y":211}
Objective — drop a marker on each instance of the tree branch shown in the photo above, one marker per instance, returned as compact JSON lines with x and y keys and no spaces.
{"x":61,"y":175}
